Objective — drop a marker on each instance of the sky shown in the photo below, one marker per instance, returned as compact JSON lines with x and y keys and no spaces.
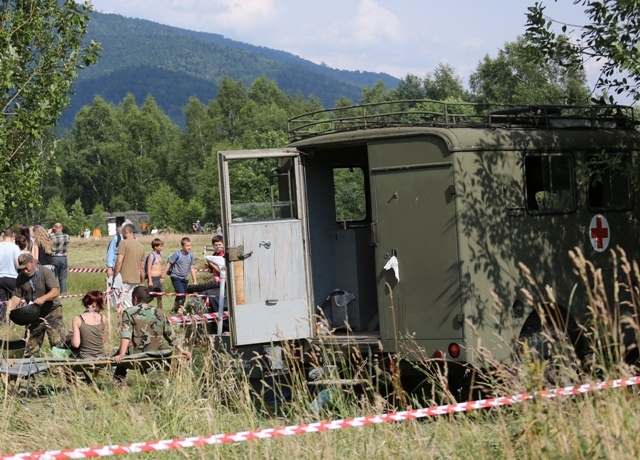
{"x":398,"y":37}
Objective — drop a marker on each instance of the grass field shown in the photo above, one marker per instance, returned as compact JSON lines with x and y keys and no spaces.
{"x":206,"y":396}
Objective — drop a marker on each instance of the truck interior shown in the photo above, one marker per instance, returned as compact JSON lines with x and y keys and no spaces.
{"x":342,"y":254}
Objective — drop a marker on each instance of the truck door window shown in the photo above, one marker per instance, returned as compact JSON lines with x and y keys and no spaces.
{"x":262,"y":189}
{"x":349,"y":194}
{"x":609,"y":182}
{"x":550,"y":184}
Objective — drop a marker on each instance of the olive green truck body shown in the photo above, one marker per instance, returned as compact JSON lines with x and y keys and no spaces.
{"x":447,"y":210}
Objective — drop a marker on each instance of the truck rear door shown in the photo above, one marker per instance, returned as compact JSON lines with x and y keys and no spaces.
{"x":415,"y":221}
{"x":263,"y":213}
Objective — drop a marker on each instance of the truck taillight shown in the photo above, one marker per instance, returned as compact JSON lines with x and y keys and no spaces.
{"x":438,"y":354}
{"x":454,"y":350}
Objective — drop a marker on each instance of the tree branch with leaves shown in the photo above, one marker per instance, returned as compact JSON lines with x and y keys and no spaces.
{"x":612,"y":38}
{"x":41,"y":51}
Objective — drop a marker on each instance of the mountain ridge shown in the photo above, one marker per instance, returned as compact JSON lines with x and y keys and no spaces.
{"x":142,"y":57}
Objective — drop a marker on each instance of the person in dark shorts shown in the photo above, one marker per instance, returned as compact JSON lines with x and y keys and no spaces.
{"x":153,"y":270}
{"x":179,"y":265}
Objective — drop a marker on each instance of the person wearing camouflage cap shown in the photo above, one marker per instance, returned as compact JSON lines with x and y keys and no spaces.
{"x":38,"y":284}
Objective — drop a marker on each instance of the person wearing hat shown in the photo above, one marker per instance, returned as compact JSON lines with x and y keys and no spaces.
{"x":38,"y":285}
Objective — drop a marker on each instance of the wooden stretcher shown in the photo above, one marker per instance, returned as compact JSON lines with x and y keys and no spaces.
{"x":16,"y":370}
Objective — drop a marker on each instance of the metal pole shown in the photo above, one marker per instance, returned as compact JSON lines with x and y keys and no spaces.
{"x":223,"y":280}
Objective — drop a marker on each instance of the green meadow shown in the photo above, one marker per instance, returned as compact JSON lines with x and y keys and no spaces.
{"x":207,"y":395}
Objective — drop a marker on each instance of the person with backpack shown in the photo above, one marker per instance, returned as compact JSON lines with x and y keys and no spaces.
{"x":112,"y":251}
{"x":153,"y":270}
{"x":110,"y":262}
{"x":179,"y":265}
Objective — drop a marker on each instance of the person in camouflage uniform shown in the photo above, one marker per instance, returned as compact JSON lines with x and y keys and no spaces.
{"x":39,"y":285}
{"x":143,"y":329}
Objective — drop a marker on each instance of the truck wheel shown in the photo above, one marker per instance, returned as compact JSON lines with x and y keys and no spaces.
{"x":551,"y":347}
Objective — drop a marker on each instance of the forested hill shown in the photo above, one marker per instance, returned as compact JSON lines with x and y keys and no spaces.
{"x":142,"y":57}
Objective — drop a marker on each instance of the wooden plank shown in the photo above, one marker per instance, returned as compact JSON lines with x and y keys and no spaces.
{"x":238,"y":282}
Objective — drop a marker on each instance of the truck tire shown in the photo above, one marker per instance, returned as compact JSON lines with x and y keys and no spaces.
{"x":554,"y":349}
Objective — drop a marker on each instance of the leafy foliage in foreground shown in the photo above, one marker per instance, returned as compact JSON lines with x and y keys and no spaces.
{"x":41,"y":51}
{"x":611,"y":39}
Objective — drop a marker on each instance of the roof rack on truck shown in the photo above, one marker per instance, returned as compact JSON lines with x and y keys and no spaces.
{"x":424,"y":112}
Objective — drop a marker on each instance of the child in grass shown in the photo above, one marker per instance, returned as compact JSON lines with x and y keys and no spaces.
{"x":179,"y":265}
{"x":218,"y":250}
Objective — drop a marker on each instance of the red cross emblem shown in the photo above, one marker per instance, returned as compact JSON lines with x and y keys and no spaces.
{"x":599,"y":233}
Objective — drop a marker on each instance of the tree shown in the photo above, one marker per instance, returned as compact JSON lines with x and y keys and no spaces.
{"x":94,"y":164}
{"x":410,"y":87}
{"x":150,"y":139}
{"x":511,"y":78}
{"x":158,"y":205}
{"x":97,"y":220}
{"x":443,"y":84}
{"x":379,"y":92}
{"x":56,"y":212}
{"x":225,"y":110}
{"x":77,"y":219}
{"x":42,"y":50}
{"x":611,"y":39}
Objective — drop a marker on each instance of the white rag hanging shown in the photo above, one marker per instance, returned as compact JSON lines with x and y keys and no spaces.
{"x":392,"y":264}
{"x":117,"y":283}
{"x":115,"y":292}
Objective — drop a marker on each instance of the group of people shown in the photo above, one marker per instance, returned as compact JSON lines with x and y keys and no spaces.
{"x":28,"y":277}
{"x":127,"y":266}
{"x":142,"y":326}
{"x":49,"y":247}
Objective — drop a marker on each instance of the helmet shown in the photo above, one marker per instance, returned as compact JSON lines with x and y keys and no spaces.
{"x":25,"y":315}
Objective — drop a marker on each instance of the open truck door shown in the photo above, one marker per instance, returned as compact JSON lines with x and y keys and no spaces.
{"x":264,"y":217}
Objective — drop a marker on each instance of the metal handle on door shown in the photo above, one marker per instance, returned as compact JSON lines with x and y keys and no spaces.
{"x":374,"y":234}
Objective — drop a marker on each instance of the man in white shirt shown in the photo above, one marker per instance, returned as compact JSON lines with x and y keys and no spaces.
{"x":9,"y":253}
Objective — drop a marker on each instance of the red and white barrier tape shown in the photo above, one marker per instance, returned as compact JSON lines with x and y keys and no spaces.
{"x":69,"y":296}
{"x":171,"y":294}
{"x":201,"y":317}
{"x":86,"y":270}
{"x":104,"y":270}
{"x":183,"y":443}
{"x":179,"y":294}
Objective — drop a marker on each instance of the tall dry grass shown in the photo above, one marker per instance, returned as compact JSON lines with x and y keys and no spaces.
{"x":211,"y":394}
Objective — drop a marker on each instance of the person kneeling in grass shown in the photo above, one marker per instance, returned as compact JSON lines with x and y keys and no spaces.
{"x":143,"y":329}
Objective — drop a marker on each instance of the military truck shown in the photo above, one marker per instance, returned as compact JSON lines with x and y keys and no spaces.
{"x":446,"y":204}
